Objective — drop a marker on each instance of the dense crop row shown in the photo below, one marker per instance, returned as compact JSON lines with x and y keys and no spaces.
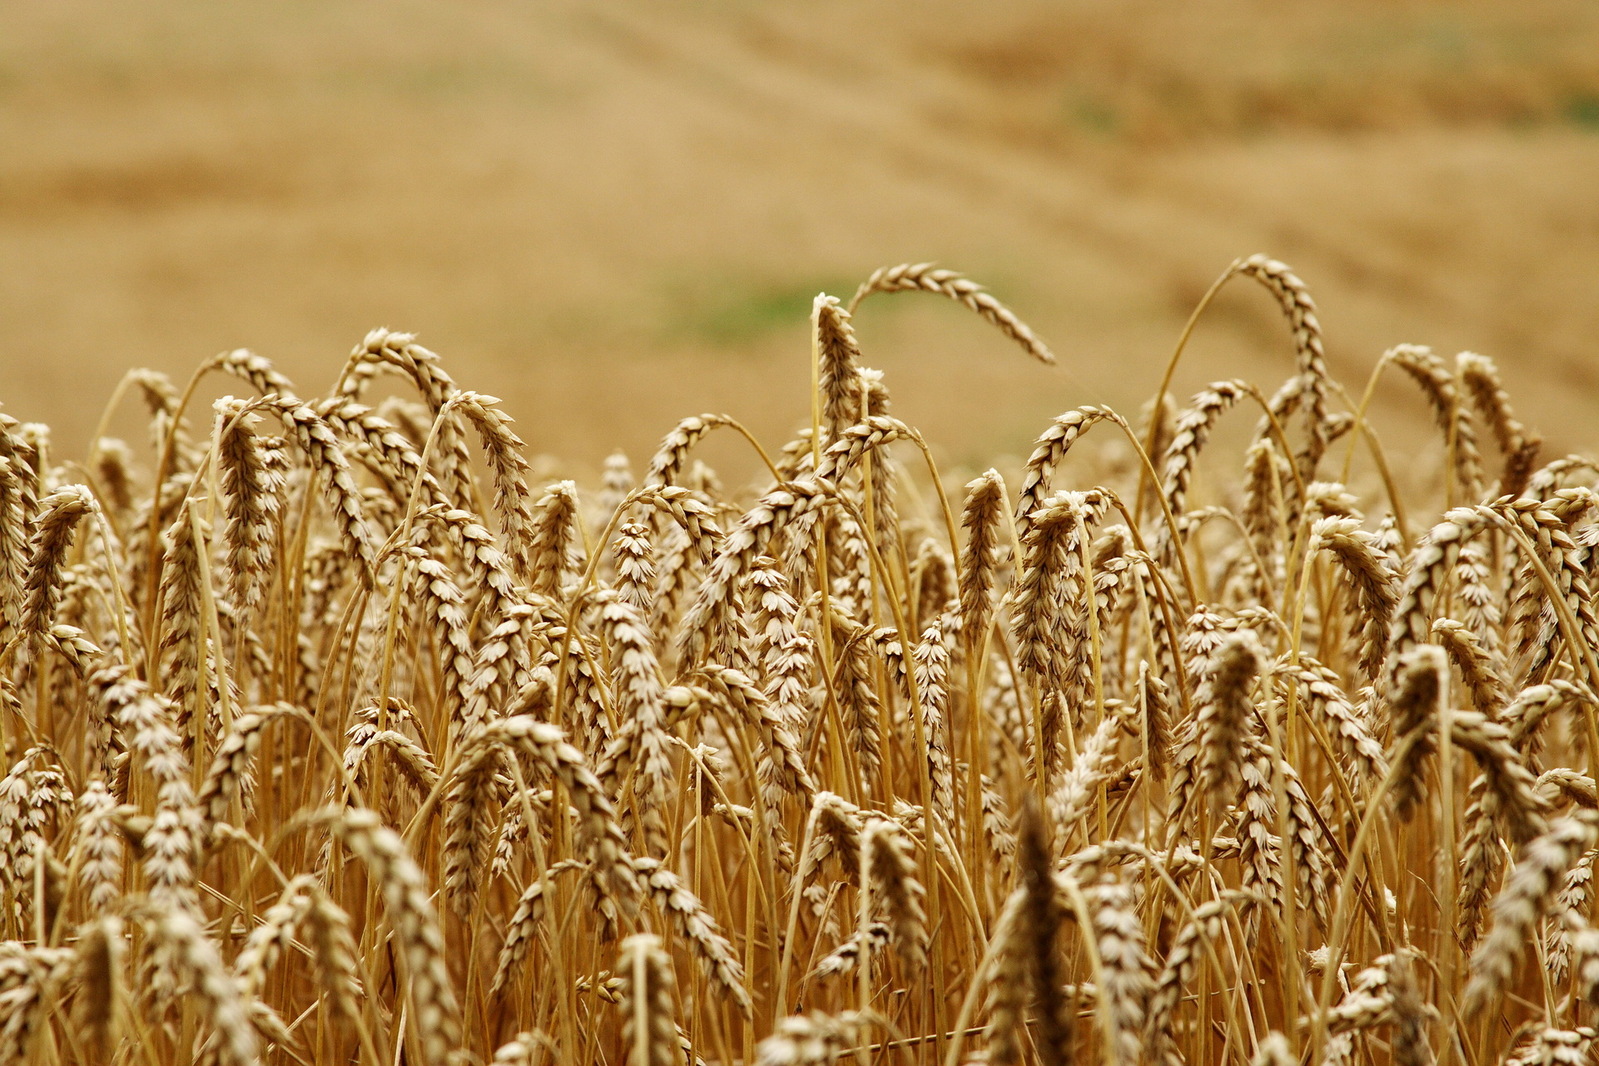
{"x":329,"y":738}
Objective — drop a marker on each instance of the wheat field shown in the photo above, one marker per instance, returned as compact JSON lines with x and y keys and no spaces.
{"x":331,"y":737}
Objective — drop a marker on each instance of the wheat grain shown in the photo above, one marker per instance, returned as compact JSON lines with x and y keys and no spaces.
{"x":1127,"y":985}
{"x":1048,"y":451}
{"x":807,"y":1040}
{"x":784,"y":656}
{"x":780,"y":753}
{"x":519,"y":1052}
{"x":19,"y":500}
{"x":252,"y":474}
{"x":183,"y":940}
{"x":1028,"y":965}
{"x":97,"y":847}
{"x":1410,"y":1044}
{"x":521,"y":931}
{"x":1437,"y":383}
{"x":59,"y":514}
{"x":594,"y":715}
{"x":1554,"y":1047}
{"x":648,"y":1031}
{"x":1569,"y":917}
{"x":931,"y":657}
{"x":1223,"y":712}
{"x":100,"y":952}
{"x":1274,"y":1051}
{"x":433,"y":1008}
{"x":1505,"y":774}
{"x":1523,"y":901}
{"x":862,"y":944}
{"x":1421,"y":686}
{"x":696,"y":925}
{"x":838,"y":366}
{"x":320,"y":444}
{"x":36,"y":976}
{"x":503,"y":449}
{"x":638,"y":750}
{"x":635,"y":569}
{"x":891,"y":873}
{"x":1517,"y":447}
{"x":1373,"y":585}
{"x":1189,"y":434}
{"x":1198,"y":934}
{"x":1300,"y":310}
{"x":859,"y":706}
{"x":400,"y":352}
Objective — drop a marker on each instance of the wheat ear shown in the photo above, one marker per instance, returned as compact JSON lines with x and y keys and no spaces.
{"x":927,"y":277}
{"x":433,"y":1010}
{"x":648,"y":1032}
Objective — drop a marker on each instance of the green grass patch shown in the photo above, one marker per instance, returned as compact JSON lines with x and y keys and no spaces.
{"x":1583,"y":110}
{"x":731,"y":315}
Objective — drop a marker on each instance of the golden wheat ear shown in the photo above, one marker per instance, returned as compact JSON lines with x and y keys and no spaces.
{"x":327,"y":740}
{"x":928,"y":277}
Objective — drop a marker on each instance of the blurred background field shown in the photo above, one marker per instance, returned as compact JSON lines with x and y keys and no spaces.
{"x":614,"y":215}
